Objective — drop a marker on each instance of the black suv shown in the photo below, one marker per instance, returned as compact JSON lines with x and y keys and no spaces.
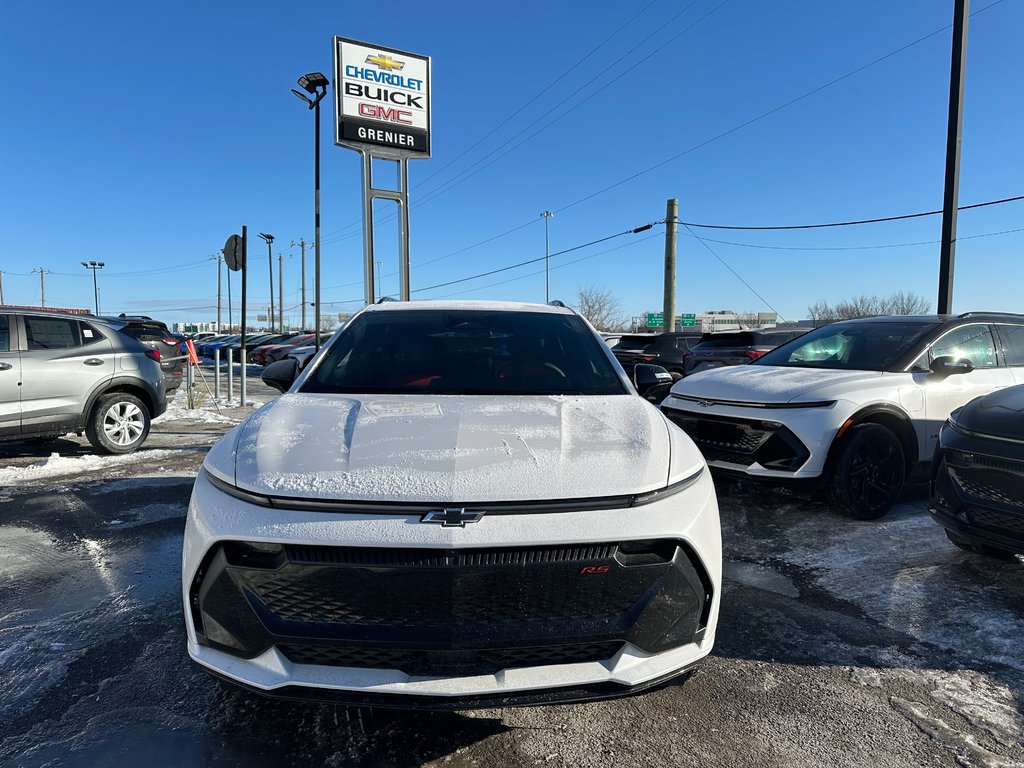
{"x":664,"y":349}
{"x":735,"y":347}
{"x":155,"y":335}
{"x":977,"y":487}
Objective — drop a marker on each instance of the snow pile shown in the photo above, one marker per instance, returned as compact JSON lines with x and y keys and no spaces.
{"x":55,"y":465}
{"x":178,"y":410}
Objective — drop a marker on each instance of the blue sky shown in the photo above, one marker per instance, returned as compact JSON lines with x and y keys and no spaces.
{"x":143,"y":134}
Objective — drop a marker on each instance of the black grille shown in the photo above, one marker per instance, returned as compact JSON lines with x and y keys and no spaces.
{"x":1001,"y":523}
{"x":991,"y":480}
{"x":355,"y":597}
{"x":447,"y":662}
{"x":434,"y":558}
{"x":448,"y":610}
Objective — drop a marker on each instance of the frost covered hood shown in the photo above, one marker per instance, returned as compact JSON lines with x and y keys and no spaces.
{"x":767,"y":383}
{"x":452,"y":448}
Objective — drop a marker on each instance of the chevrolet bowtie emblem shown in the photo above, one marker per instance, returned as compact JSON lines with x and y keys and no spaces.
{"x":452,"y":517}
{"x":385,"y":62}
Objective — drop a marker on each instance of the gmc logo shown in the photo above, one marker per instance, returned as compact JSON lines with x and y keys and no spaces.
{"x":594,"y":569}
{"x":385,"y":113}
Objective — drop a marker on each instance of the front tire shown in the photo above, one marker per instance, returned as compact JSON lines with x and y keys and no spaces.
{"x":869,"y":472}
{"x":119,"y":423}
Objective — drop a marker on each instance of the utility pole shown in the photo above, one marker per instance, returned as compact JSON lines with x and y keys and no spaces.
{"x":280,"y":292}
{"x":671,"y":219}
{"x":218,"y":258}
{"x":546,"y":215}
{"x":1,"y":288}
{"x":954,"y":134}
{"x":42,"y":284}
{"x":302,"y":247}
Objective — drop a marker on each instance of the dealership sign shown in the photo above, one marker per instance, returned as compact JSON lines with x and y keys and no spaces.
{"x":382,"y":98}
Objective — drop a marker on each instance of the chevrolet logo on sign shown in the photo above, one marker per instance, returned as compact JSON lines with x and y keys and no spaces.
{"x":385,"y":62}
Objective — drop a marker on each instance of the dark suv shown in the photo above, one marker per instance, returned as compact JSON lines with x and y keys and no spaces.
{"x":155,"y":335}
{"x":977,"y":487}
{"x":62,"y":372}
{"x":734,"y":348}
{"x":665,"y":349}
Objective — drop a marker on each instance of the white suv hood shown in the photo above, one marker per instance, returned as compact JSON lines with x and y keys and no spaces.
{"x":451,"y":448}
{"x":768,"y":383}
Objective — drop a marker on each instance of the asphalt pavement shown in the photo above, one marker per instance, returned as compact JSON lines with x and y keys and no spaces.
{"x":841,"y":643}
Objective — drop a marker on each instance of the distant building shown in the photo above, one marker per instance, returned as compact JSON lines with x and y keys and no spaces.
{"x":194,"y":327}
{"x":727,"y":320}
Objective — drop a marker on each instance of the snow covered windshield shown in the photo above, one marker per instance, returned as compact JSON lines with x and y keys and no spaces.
{"x":466,"y":352}
{"x":860,"y":346}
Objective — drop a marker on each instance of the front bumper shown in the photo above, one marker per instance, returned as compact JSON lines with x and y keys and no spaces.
{"x":445,"y":617}
{"x":977,"y":490}
{"x":770,"y":443}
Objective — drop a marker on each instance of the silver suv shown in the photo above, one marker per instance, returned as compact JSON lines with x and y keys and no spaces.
{"x":61,"y":372}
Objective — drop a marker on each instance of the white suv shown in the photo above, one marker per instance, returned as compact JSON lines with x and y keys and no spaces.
{"x":857,"y":404}
{"x":455,"y":504}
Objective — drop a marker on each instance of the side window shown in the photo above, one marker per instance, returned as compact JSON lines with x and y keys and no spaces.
{"x":971,"y":341}
{"x":51,"y":333}
{"x":89,"y":334}
{"x":1013,"y":343}
{"x":5,"y":334}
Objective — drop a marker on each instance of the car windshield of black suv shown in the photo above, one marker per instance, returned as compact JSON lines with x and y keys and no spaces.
{"x":466,"y":352}
{"x":861,"y":346}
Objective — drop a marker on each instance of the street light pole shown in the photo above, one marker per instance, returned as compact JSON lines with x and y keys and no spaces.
{"x":269,"y":239}
{"x":546,"y":215}
{"x":94,"y":265}
{"x":316,"y":85}
{"x":302,"y":247}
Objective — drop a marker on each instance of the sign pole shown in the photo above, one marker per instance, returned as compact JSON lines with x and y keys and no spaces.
{"x":241,"y":352}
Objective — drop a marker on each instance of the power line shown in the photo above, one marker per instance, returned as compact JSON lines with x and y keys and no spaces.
{"x":539,"y":258}
{"x":770,"y":112}
{"x":737,"y":274}
{"x":855,"y":247}
{"x":852,"y":223}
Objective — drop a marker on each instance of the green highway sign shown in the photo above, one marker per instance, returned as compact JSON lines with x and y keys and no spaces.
{"x":655,"y":319}
{"x":688,"y":321}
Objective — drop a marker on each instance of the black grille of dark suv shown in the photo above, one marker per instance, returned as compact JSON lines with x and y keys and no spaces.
{"x":468,"y":611}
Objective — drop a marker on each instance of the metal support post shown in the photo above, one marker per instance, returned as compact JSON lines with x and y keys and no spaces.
{"x":241,"y":352}
{"x":401,"y":197}
{"x":216,"y":373}
{"x":231,"y":375}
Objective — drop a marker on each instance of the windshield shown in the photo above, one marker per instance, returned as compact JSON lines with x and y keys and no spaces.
{"x":466,"y":352}
{"x":850,"y":346}
{"x":727,"y":340}
{"x":634,"y":343}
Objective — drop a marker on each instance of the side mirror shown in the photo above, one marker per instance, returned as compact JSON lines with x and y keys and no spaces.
{"x":646,"y":377}
{"x":947,"y":365}
{"x":282,"y":374}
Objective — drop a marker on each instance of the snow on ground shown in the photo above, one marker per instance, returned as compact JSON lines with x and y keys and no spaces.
{"x":56,"y":465}
{"x":207,"y":410}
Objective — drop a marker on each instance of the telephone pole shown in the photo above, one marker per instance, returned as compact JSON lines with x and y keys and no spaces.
{"x":42,"y":284}
{"x":671,"y":217}
{"x":302,"y":247}
{"x":954,"y":135}
{"x":280,"y":292}
{"x":218,"y":258}
{"x":1,"y":288}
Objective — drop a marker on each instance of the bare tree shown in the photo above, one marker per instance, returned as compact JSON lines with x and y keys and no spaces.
{"x":600,"y":307}
{"x":896,"y":303}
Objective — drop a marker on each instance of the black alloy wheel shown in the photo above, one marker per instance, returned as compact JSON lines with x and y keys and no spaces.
{"x":869,"y":472}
